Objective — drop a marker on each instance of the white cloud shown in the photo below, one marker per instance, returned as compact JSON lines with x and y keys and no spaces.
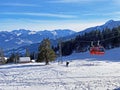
{"x":116,"y":13}
{"x":74,"y":1}
{"x":65,"y":1}
{"x":35,"y":25}
{"x":18,"y":4}
{"x":42,"y":14}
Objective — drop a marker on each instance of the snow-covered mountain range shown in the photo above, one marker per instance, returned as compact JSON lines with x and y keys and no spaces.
{"x":18,"y":38}
{"x":31,"y":39}
{"x":108,"y":25}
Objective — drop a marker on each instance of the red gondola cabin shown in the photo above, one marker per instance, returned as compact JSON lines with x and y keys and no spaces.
{"x":99,"y":50}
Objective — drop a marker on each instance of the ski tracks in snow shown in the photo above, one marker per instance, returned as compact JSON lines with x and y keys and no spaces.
{"x":77,"y":76}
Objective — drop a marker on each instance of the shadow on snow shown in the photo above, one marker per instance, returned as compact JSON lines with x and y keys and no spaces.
{"x":20,"y":66}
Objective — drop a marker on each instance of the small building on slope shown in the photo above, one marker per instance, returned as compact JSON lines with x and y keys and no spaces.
{"x":24,"y":60}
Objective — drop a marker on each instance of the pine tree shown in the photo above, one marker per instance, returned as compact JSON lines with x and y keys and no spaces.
{"x":45,"y":52}
{"x":32,"y":55}
{"x":27,"y":54}
{"x":3,"y":61}
{"x":16,"y":58}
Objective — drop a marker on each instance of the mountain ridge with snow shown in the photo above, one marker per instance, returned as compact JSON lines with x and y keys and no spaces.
{"x":109,"y":24}
{"x":21,"y":37}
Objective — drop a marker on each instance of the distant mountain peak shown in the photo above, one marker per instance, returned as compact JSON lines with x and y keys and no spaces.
{"x":21,"y":30}
{"x":109,"y":25}
{"x":110,"y":21}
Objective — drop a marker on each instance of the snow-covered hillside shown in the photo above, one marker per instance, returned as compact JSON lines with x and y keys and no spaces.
{"x":83,"y":73}
{"x":18,"y":38}
{"x":110,"y":55}
{"x":109,"y":25}
{"x":80,"y":75}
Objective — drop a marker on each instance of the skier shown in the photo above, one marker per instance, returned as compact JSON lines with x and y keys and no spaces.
{"x":67,"y":63}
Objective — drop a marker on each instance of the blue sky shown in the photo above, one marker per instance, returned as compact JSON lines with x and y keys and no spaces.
{"x":56,"y":14}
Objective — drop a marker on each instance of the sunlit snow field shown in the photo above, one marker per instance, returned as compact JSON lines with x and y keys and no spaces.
{"x":81,"y":74}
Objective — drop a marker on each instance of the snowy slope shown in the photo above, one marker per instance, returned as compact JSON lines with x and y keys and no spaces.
{"x":80,"y":75}
{"x":83,"y":73}
{"x":110,"y":55}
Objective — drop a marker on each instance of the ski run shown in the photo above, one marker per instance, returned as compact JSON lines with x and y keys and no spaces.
{"x":81,"y":74}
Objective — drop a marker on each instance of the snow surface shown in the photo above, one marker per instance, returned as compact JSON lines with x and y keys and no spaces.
{"x":54,"y":33}
{"x":18,"y":34}
{"x":20,"y":42}
{"x":81,"y":74}
{"x":7,"y":40}
{"x":32,"y":32}
{"x":110,"y":55}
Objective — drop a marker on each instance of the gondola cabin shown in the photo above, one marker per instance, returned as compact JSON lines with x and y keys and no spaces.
{"x":98,"y":50}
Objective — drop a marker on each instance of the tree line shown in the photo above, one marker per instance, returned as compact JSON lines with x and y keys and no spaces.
{"x":109,"y":38}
